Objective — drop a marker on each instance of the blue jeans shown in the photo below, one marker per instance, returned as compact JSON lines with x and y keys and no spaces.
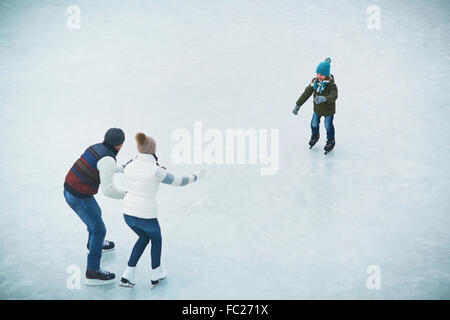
{"x":315,"y":121}
{"x":146,"y":229}
{"x":89,"y":212}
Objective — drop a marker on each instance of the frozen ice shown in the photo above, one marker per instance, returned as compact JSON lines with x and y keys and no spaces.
{"x":309,"y":232}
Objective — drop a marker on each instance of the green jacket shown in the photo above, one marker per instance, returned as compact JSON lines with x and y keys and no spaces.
{"x":330,"y":92}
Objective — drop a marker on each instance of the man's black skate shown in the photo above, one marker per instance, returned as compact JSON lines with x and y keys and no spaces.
{"x":99,"y":277}
{"x":313,"y":141}
{"x":329,"y":146}
{"x":107,"y":246}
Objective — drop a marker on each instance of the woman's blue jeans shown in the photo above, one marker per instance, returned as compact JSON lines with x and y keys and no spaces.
{"x":315,"y":121}
{"x":89,"y":212}
{"x":146,"y":229}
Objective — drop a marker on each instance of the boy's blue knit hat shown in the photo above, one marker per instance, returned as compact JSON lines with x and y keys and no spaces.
{"x":324,"y":67}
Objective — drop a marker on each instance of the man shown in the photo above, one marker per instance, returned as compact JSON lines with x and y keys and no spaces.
{"x":96,"y":166}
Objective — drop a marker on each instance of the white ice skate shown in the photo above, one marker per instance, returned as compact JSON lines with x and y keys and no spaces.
{"x":127,"y":279}
{"x":158,"y":274}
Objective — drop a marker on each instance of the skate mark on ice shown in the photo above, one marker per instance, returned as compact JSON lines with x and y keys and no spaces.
{"x":197,"y":203}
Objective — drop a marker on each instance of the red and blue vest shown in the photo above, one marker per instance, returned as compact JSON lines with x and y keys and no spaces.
{"x":83,"y":178}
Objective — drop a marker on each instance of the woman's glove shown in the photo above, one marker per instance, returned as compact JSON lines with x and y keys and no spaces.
{"x":295,"y":111}
{"x":124,"y":165}
{"x":200,"y":174}
{"x":320,"y":99}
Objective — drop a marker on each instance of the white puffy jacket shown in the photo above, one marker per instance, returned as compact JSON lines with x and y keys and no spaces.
{"x":142,"y":177}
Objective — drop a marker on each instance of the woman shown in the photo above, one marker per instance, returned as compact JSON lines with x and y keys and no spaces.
{"x":143,"y":176}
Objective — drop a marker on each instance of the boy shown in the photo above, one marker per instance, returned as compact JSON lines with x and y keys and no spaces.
{"x":325,"y":94}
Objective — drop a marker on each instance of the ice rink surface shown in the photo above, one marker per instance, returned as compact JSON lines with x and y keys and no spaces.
{"x":308,"y":232}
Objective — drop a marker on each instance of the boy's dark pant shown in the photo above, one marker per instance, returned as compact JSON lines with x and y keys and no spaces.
{"x":89,"y":212}
{"x":146,"y":229}
{"x":315,"y":121}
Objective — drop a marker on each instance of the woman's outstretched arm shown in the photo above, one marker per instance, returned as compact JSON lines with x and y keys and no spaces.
{"x":168,"y":178}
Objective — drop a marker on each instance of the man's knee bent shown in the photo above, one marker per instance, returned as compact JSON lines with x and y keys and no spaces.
{"x":99,"y":230}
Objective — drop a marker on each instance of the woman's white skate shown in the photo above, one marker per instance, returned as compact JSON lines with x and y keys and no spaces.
{"x":127,"y":279}
{"x":158,"y":275}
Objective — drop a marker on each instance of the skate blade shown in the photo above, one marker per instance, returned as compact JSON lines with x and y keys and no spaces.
{"x":103,"y":251}
{"x":155,"y":283}
{"x":126,"y":284}
{"x":96,"y":282}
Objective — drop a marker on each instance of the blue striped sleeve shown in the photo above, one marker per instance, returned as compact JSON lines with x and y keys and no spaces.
{"x":184,"y":181}
{"x":168,"y":179}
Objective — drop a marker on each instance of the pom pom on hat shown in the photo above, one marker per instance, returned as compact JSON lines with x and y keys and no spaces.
{"x":140,"y":138}
{"x":324,"y":67}
{"x":145,"y":144}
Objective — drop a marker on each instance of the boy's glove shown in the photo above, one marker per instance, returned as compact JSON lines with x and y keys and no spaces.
{"x":295,"y":111}
{"x":200,"y":174}
{"x":320,"y":99}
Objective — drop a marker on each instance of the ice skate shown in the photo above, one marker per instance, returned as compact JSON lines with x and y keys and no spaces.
{"x":329,"y":146}
{"x":107,"y":246}
{"x":99,"y":277}
{"x":127,"y":279}
{"x":313,"y":141}
{"x":158,"y":274}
